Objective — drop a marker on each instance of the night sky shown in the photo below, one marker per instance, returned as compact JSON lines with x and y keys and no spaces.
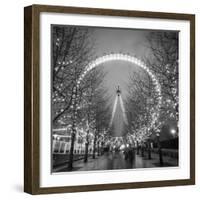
{"x":124,"y":41}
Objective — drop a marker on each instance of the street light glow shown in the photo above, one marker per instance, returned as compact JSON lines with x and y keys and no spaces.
{"x":173,"y":131}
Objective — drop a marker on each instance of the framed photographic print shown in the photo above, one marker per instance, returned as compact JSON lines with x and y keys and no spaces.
{"x":109,"y":99}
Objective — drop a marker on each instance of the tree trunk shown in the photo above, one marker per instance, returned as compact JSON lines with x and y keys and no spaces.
{"x":98,"y":148}
{"x":73,"y":134}
{"x":86,"y":148}
{"x":71,"y":155}
{"x":94,"y":146}
{"x":137,"y":148}
{"x":142,"y":150}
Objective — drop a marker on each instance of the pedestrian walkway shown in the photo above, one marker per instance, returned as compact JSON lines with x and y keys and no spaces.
{"x":116,"y":160}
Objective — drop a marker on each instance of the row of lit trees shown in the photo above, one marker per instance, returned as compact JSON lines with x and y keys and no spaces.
{"x":162,"y":60}
{"x":94,"y":110}
{"x":140,"y":103}
{"x":83,"y":107}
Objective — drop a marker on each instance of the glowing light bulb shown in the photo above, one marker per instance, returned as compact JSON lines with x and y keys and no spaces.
{"x":173,"y":131}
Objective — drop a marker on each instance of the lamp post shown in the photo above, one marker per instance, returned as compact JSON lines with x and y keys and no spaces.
{"x":159,"y":149}
{"x":94,"y":143}
{"x":137,"y":143}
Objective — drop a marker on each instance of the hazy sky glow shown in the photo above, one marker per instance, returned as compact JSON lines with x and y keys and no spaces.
{"x":109,"y":40}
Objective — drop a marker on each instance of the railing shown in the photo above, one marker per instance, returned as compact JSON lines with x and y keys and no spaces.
{"x":173,"y":153}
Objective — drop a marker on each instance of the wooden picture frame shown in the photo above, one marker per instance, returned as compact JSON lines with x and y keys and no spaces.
{"x":32,"y":93}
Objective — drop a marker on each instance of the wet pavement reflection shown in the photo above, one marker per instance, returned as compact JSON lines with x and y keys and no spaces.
{"x":118,"y":160}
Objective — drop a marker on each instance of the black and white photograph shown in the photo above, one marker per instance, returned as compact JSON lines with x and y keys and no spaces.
{"x":114,"y":98}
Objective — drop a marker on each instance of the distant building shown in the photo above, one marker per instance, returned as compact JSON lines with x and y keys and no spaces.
{"x":61,"y":142}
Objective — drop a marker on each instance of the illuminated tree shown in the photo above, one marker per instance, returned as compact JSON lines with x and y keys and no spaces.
{"x":94,"y":109}
{"x":163,"y":61}
{"x":72,"y":49}
{"x":140,"y":104}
